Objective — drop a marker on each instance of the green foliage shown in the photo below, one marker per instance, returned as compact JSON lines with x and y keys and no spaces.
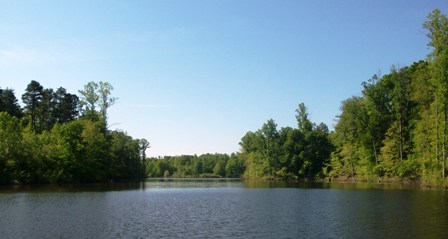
{"x":96,"y":95}
{"x":400,"y":121}
{"x":234,"y":167}
{"x":303,"y":122}
{"x":126,"y":157}
{"x":45,"y":107}
{"x":9,"y":103}
{"x":288,"y":153}
{"x":206,"y":165}
{"x":10,"y":138}
{"x":89,"y":96}
{"x":143,"y":146}
{"x":66,"y":106}
{"x":32,"y":99}
{"x":52,"y":145}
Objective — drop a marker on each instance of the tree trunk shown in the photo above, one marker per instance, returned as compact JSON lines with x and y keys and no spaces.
{"x":401,"y":139}
{"x":353,"y":167}
{"x":351,"y":162}
{"x":374,"y":152}
{"x":444,"y":143}
{"x":437,"y":134}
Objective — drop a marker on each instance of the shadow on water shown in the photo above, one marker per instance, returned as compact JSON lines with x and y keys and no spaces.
{"x":280,"y":184}
{"x":184,"y":183}
{"x":71,"y":188}
{"x":327,"y":185}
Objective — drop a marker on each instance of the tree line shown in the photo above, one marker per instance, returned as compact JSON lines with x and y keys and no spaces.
{"x":268,"y":153}
{"x":59,"y":137}
{"x":396,"y":129}
{"x":288,"y":153}
{"x":203,"y":166}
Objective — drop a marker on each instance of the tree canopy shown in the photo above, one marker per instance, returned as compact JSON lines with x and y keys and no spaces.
{"x":398,"y":128}
{"x":53,"y":141}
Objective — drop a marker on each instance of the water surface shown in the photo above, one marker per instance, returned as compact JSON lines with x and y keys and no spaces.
{"x":190,"y":208}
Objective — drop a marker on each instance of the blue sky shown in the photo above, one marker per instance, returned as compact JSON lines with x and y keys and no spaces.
{"x":195,"y":76}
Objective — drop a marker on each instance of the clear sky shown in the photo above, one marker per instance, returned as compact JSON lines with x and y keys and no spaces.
{"x":195,"y":76}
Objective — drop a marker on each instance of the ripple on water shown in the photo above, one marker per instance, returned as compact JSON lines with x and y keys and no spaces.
{"x":224,"y":210}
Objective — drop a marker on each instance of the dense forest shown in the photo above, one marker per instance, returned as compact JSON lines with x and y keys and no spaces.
{"x":268,"y":153}
{"x":203,"y":166}
{"x":59,"y":137}
{"x":396,"y":129}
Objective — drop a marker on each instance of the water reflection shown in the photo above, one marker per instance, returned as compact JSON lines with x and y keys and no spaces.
{"x":185,"y":183}
{"x":148,"y":184}
{"x":70,"y":188}
{"x":167,"y":183}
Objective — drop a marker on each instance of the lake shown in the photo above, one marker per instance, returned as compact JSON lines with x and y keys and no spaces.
{"x":216,"y":208}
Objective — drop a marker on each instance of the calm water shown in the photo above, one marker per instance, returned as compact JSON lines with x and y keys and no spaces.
{"x":223,"y":209}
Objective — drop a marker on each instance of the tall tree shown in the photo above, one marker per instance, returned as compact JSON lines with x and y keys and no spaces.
{"x":270,"y":137}
{"x":89,"y":97}
{"x":46,"y":109}
{"x":401,"y":107}
{"x":32,"y":99}
{"x":423,"y":136}
{"x":437,"y":26}
{"x":349,"y":136}
{"x":378,"y":107}
{"x":97,"y":95}
{"x":143,"y":145}
{"x":9,"y":103}
{"x":303,"y":121}
{"x":66,"y":106}
{"x":106,"y":100}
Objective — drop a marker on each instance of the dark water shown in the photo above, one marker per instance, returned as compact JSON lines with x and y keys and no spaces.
{"x":223,"y":209}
